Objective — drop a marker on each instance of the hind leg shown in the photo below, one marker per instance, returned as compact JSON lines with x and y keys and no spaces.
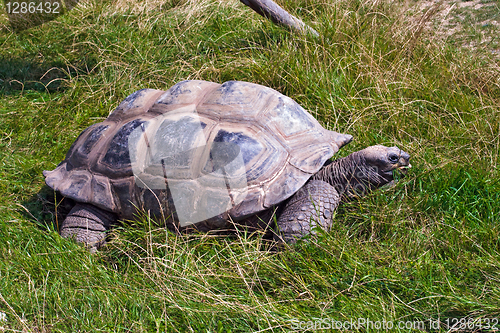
{"x":87,"y":224}
{"x":312,"y":206}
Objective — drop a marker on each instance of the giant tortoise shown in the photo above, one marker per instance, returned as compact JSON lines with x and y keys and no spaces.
{"x":204,"y":155}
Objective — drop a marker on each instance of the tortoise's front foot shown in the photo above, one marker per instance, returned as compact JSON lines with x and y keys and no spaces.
{"x":312,"y":206}
{"x":87,"y":224}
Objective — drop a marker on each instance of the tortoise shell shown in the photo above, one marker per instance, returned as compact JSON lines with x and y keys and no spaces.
{"x":200,"y":151}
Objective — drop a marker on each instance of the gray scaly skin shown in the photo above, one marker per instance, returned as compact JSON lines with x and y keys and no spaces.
{"x":312,"y":206}
{"x":87,"y":224}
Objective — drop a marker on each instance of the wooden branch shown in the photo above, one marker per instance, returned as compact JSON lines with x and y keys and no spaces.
{"x":278,"y":15}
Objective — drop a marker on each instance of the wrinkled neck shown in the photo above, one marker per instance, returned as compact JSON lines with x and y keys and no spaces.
{"x":340,"y":173}
{"x":350,"y":175}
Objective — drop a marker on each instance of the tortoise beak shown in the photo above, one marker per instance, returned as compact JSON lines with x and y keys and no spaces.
{"x":404,"y":162}
{"x":404,"y":168}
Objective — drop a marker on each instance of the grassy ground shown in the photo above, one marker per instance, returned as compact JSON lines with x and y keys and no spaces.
{"x":421,"y":255}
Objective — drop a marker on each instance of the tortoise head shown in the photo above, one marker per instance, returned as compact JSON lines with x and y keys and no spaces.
{"x":377,"y":164}
{"x":364,"y":170}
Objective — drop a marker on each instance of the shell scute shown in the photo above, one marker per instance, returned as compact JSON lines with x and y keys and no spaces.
{"x":135,"y":105}
{"x":235,"y":100}
{"x":185,"y":92}
{"x":77,"y":186}
{"x":265,"y":155}
{"x":308,"y":157}
{"x":290,"y":180}
{"x":92,"y":138}
{"x":227,"y":146}
{"x":101,"y":192}
{"x":117,"y":153}
{"x":289,"y":118}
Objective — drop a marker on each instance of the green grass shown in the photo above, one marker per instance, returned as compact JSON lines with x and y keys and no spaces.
{"x":427,"y":249}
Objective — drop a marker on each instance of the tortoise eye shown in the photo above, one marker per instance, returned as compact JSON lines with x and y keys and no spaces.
{"x":393,"y":158}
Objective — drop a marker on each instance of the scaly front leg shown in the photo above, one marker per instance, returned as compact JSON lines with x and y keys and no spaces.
{"x":87,"y":224}
{"x":312,"y":206}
